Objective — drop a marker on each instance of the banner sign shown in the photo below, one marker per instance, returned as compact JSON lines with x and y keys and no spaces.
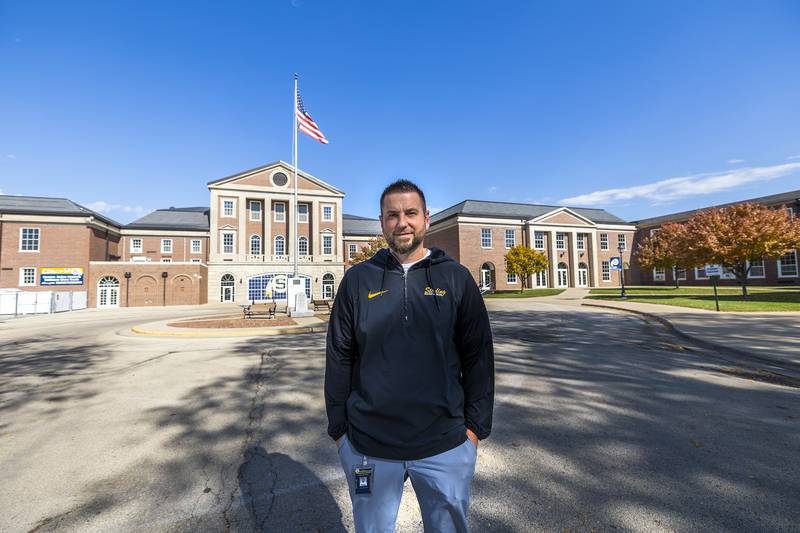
{"x":615,"y":263}
{"x":61,"y":276}
{"x":713,"y":270}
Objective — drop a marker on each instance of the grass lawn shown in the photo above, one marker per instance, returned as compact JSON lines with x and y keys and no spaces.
{"x":760,"y":299}
{"x":527,"y":293}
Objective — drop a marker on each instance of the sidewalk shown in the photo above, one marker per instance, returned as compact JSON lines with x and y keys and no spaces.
{"x":160,"y":328}
{"x":772,"y":337}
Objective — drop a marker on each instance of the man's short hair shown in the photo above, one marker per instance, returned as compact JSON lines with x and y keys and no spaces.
{"x":404,"y":186}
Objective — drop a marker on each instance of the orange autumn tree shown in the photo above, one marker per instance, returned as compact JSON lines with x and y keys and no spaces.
{"x":665,"y":249}
{"x":524,"y":262}
{"x":736,"y":235}
{"x":371,"y":248}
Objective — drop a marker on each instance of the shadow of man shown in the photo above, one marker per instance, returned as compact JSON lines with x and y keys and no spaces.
{"x":281,"y":494}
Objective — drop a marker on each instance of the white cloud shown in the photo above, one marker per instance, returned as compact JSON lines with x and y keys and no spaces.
{"x":682,"y":187}
{"x":793,"y":157}
{"x":104,"y":207}
{"x":434,"y":210}
{"x":735,"y":161}
{"x":492,"y":189}
{"x":1,"y":191}
{"x":11,"y":156}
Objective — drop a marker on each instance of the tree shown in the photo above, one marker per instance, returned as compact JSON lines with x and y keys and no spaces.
{"x":665,"y":249}
{"x":524,"y":262}
{"x":735,"y":236}
{"x":373,"y":245}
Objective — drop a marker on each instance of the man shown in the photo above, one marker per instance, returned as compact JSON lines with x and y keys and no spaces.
{"x":409,"y":379}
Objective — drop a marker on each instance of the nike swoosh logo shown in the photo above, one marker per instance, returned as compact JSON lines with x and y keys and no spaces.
{"x":374,"y":294}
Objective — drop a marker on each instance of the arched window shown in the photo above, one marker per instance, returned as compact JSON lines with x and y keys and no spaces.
{"x":302,"y":246}
{"x":227,"y":286}
{"x":280,"y":245}
{"x":255,"y":245}
{"x":562,"y":275}
{"x":327,"y":286}
{"x":108,"y":292}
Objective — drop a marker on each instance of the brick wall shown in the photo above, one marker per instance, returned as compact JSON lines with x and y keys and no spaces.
{"x":185,"y":283}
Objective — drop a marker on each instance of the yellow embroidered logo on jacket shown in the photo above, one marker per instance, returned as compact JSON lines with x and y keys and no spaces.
{"x":434,"y":292}
{"x":372,"y":295}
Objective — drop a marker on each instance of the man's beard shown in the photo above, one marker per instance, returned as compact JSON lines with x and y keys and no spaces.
{"x":402,"y":248}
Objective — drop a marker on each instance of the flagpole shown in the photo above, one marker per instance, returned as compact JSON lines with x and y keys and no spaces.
{"x":294,"y":164}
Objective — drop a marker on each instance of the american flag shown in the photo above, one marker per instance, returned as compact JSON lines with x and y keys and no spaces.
{"x":305,"y":123}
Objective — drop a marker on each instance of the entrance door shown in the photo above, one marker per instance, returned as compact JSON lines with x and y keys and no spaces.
{"x":583,"y":275}
{"x":108,"y":292}
{"x":563,"y":277}
{"x":227,"y":283}
{"x":487,"y":276}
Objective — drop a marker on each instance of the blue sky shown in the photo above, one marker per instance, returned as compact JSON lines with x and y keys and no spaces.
{"x":641,"y":108}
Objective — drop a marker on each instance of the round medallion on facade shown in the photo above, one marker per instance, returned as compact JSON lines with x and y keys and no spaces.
{"x":279,"y":179}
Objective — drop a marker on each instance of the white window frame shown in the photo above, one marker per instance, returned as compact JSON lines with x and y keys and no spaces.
{"x":233,"y":242}
{"x":199,"y":248}
{"x":196,"y":260}
{"x":233,"y":207}
{"x":676,"y":271}
{"x":605,"y":268}
{"x":622,"y":241}
{"x":604,"y":241}
{"x":697,"y":273}
{"x":561,"y":240}
{"x":260,"y":245}
{"x":300,"y":251}
{"x":255,"y":214}
{"x":580,"y":242}
{"x":540,"y":278}
{"x":511,"y":279}
{"x":38,"y":240}
{"x":302,"y":217}
{"x":659,"y":274}
{"x":538,"y":240}
{"x":780,"y":265}
{"x":327,"y":250}
{"x":280,"y":215}
{"x":164,"y":246}
{"x":484,"y":232}
{"x":136,"y":249}
{"x":166,"y":260}
{"x":750,"y":270}
{"x":352,"y":250}
{"x":513,"y":239}
{"x":22,"y":282}
{"x":328,"y":218}
{"x":790,"y":212}
{"x":275,"y":241}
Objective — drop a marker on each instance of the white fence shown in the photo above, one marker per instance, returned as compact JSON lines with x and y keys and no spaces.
{"x":16,"y":302}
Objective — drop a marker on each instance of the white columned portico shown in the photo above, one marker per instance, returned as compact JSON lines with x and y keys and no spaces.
{"x":266,"y":247}
{"x":551,"y":237}
{"x":241,"y":229}
{"x":575,"y":260}
{"x":314,"y":236}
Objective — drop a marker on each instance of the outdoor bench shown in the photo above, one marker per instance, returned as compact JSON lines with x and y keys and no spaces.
{"x":256,"y":310}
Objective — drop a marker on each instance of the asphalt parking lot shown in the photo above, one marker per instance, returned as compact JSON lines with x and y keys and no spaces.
{"x":602,"y":422}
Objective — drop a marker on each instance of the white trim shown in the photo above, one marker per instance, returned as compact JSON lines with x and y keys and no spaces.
{"x":697,"y":275}
{"x":603,"y":248}
{"x":483,"y":247}
{"x":561,"y":210}
{"x":275,"y":216}
{"x":260,"y":244}
{"x":222,"y":242}
{"x":299,"y":215}
{"x":171,"y":246}
{"x":516,"y":279}
{"x":659,"y":274}
{"x":352,"y":250}
{"x":22,"y":276}
{"x":780,"y":265}
{"x":322,"y":243}
{"x":200,"y":248}
{"x":322,"y":207}
{"x":763,"y":270}
{"x":260,"y":210}
{"x":166,"y":260}
{"x":563,"y":246}
{"x":233,"y":207}
{"x":275,"y":245}
{"x":605,"y":271}
{"x":38,"y":240}
{"x":542,"y":233}
{"x":513,"y":238}
{"x":137,"y":249}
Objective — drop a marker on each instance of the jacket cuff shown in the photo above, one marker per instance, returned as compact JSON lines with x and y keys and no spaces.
{"x":480,"y":434}
{"x":337,"y":432}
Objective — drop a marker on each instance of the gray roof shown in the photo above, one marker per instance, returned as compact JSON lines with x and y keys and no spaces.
{"x":772,"y":199}
{"x":38,"y":205}
{"x":521,"y":211}
{"x":174,"y":218}
{"x":360,"y":226}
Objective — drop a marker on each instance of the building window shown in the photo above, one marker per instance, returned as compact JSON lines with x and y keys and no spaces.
{"x":560,"y":241}
{"x":166,"y":246}
{"x":280,"y":245}
{"x":302,"y":246}
{"x":302,"y":212}
{"x":255,"y":245}
{"x":622,"y":245}
{"x":280,"y":212}
{"x":486,"y":238}
{"x":700,"y":273}
{"x":166,"y":260}
{"x":227,"y":287}
{"x":227,"y":208}
{"x":29,"y":239}
{"x":227,"y":242}
{"x":196,"y":260}
{"x":196,"y":246}
{"x":511,"y":279}
{"x":679,"y":273}
{"x":538,"y":240}
{"x":27,"y":276}
{"x":659,"y":274}
{"x":255,"y":211}
{"x":327,"y":286}
{"x":136,"y":246}
{"x":580,"y":242}
{"x":327,"y":245}
{"x":787,"y":265}
{"x":352,"y":250}
{"x":790,"y":213}
{"x":327,"y":213}
{"x":540,"y":278}
{"x":756,"y":268}
{"x":605,"y":268}
{"x":511,"y":240}
{"x":604,"y":241}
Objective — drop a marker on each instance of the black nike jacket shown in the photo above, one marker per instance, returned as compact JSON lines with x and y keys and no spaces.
{"x":410,"y":361}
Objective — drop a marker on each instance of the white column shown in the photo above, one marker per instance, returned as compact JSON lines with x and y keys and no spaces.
{"x":551,"y":236}
{"x":291,"y":244}
{"x":213,"y":226}
{"x":339,"y":242}
{"x":314,"y":237}
{"x":573,"y":244}
{"x":266,"y":247}
{"x":595,"y":259}
{"x":241,"y":227}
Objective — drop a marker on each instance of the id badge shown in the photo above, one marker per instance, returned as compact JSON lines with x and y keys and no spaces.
{"x":363,"y":478}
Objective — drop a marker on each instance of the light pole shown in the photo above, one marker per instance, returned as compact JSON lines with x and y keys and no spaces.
{"x":622,"y":272}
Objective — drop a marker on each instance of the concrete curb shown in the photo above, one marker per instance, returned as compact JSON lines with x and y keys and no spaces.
{"x":258,"y":332}
{"x":709,"y":345}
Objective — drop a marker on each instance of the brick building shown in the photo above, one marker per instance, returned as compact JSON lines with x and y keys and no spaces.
{"x":764,"y":272}
{"x":358,"y":231}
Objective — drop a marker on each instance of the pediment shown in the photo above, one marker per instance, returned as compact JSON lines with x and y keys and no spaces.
{"x":563,"y":216}
{"x":264,"y":179}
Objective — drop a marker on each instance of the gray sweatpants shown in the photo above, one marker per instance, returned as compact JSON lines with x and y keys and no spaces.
{"x":441,"y":483}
